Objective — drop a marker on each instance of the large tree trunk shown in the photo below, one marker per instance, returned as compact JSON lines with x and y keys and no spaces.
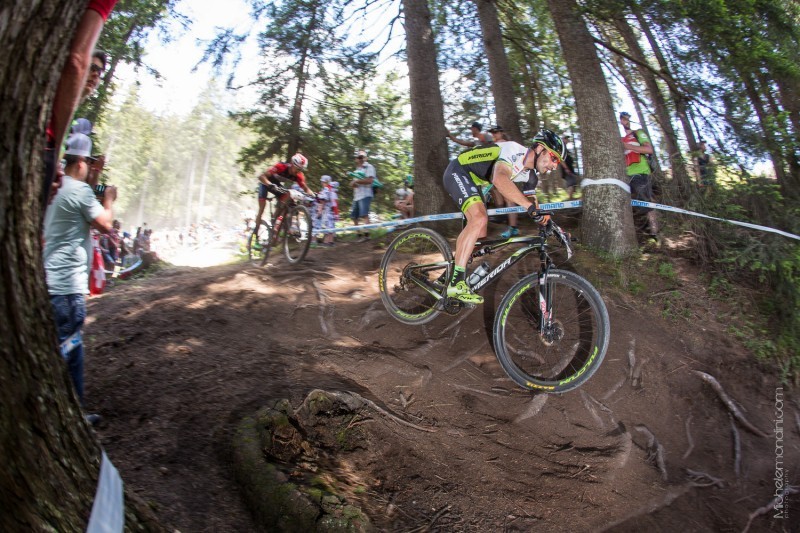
{"x":50,"y":458}
{"x":607,"y":217}
{"x":502,"y":85}
{"x":427,"y":111}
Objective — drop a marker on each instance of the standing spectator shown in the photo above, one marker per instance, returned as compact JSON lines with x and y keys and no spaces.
{"x":568,"y":170}
{"x":704,"y":170}
{"x":79,"y":77}
{"x":637,"y":143}
{"x":363,"y":177}
{"x":404,"y":198}
{"x":68,"y":252}
{"x":325,"y":201}
{"x":476,"y":129}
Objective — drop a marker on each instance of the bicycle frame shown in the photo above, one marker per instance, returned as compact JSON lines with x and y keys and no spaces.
{"x":530,"y":243}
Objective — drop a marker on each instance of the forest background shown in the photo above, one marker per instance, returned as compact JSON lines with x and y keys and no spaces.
{"x":336,"y":77}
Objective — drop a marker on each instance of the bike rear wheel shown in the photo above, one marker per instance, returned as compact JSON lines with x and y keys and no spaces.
{"x":413,"y":275}
{"x":574,"y":343}
{"x":257,"y":243}
{"x":297,"y":234}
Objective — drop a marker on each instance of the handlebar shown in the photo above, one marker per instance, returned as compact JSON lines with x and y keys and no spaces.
{"x":551,"y":228}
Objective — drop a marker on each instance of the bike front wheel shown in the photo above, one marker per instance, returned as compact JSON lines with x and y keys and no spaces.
{"x":413,"y":275}
{"x":570,"y":347}
{"x":297,"y":236}
{"x":258,"y":243}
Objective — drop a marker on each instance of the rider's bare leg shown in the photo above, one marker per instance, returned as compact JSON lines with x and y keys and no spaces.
{"x":477,"y":221}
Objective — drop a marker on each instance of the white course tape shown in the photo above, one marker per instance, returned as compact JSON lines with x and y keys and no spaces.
{"x":108,"y":510}
{"x":555,"y":207}
{"x":662,"y":207}
{"x":587,"y":182}
{"x":449,"y":216}
{"x":117,"y":273}
{"x":70,"y":343}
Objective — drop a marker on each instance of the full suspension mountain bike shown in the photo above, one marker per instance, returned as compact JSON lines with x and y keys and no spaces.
{"x":290,"y":227}
{"x":551,"y":330}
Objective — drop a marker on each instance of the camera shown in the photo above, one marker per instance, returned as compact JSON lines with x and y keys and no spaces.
{"x":100,"y":190}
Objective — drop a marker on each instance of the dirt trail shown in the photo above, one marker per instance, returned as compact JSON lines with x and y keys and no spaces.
{"x":175,"y":361}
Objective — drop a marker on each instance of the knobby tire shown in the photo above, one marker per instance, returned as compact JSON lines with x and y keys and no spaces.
{"x":404,"y":298}
{"x":564,"y":360}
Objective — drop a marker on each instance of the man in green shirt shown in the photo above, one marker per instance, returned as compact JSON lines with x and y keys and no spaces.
{"x":637,"y":146}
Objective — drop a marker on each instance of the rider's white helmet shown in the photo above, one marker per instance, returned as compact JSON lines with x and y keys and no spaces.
{"x":300,"y":161}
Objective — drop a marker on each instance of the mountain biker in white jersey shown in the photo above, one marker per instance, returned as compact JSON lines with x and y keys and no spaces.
{"x":498,"y":164}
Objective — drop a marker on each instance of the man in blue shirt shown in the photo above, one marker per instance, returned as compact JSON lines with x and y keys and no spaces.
{"x":68,"y":250}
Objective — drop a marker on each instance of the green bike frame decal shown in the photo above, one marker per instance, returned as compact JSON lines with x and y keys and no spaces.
{"x":586,"y":365}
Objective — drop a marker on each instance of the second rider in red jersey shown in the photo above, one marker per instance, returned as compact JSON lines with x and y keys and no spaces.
{"x":292,"y":171}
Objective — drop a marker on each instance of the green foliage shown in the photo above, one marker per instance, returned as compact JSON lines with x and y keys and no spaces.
{"x":174,"y":171}
{"x":768,"y":263}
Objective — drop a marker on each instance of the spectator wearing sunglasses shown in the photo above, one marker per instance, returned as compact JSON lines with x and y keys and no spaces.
{"x":498,"y":165}
{"x":79,"y":78}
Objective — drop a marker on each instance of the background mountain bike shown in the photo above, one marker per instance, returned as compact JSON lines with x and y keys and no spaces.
{"x":290,"y":227}
{"x":551,"y":329}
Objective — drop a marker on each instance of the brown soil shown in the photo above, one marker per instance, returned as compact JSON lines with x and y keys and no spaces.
{"x":177,"y":360}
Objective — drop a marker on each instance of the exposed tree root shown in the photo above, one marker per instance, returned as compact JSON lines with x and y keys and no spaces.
{"x":655,"y":451}
{"x":737,"y":448}
{"x":613,"y":390}
{"x":387,"y":414}
{"x":650,"y":508}
{"x":777,"y":501}
{"x":701,"y":479}
{"x":534,"y":408}
{"x":631,"y":358}
{"x":729,"y":403}
{"x":325,"y":311}
{"x":594,"y":406}
{"x":688,"y":438}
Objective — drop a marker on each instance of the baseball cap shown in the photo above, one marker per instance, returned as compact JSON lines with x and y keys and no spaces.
{"x":361,"y":153}
{"x":476,"y":125}
{"x":79,"y":144}
{"x":81,"y":125}
{"x":325,"y":179}
{"x":625,"y":114}
{"x":496,"y":129}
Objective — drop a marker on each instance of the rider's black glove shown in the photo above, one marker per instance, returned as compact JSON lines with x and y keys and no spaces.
{"x":533,"y":214}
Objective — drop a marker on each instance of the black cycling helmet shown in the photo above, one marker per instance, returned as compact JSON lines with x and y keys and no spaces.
{"x":551,"y":141}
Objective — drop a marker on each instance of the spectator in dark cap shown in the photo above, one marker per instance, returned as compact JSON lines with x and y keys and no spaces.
{"x":482,"y":139}
{"x":498,"y":134}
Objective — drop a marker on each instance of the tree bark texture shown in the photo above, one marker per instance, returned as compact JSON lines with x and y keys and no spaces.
{"x":607,"y":222}
{"x":50,"y":458}
{"x":502,"y":86}
{"x":427,"y":111}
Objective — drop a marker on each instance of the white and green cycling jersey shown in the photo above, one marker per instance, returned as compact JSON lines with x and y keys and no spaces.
{"x":480,"y":162}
